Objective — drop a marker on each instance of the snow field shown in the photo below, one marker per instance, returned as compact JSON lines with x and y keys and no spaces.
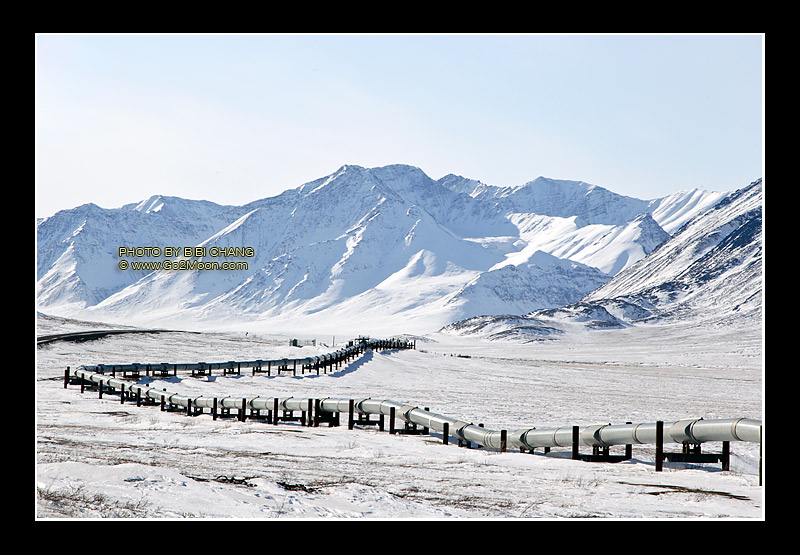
{"x":99,"y":458}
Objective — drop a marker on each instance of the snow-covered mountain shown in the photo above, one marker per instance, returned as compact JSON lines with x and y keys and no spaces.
{"x":543,"y":280}
{"x":586,"y":223}
{"x":584,"y":203}
{"x":710,"y":272}
{"x":363,"y":245}
{"x":77,"y":249}
{"x":712,"y":268}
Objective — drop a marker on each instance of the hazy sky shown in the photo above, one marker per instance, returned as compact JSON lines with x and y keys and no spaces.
{"x":235,"y":118}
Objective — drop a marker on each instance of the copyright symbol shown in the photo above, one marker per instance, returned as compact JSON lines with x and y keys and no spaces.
{"x":123,"y":264}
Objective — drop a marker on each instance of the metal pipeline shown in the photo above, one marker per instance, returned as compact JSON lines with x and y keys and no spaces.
{"x":689,"y":430}
{"x":335,"y":356}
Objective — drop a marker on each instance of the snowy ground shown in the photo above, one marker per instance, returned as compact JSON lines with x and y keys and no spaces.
{"x":99,"y":458}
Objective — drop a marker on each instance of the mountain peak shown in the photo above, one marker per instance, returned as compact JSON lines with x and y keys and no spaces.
{"x":153,"y":204}
{"x":543,"y":181}
{"x":353,"y":177}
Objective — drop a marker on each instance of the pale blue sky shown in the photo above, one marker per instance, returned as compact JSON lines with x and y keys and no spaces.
{"x":235,"y":118}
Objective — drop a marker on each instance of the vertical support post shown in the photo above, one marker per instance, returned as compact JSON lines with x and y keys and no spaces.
{"x":446,"y":433}
{"x":66,"y":377}
{"x":392,"y":411}
{"x":503,"y":440}
{"x":243,"y":413}
{"x":309,"y":413}
{"x":726,"y":455}
{"x":122,"y":395}
{"x":350,"y":412}
{"x":100,"y":389}
{"x":575,"y":438}
{"x":659,"y":446}
{"x":628,"y":449}
{"x":316,"y":413}
{"x":214,"y":409}
{"x":275,"y":411}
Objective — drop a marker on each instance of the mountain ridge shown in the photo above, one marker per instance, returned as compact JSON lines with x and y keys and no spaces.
{"x":709,"y":273}
{"x":356,"y":236}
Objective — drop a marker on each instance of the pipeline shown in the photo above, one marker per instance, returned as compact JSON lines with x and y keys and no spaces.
{"x":694,"y":430}
{"x":317,"y":361}
{"x":690,"y":430}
